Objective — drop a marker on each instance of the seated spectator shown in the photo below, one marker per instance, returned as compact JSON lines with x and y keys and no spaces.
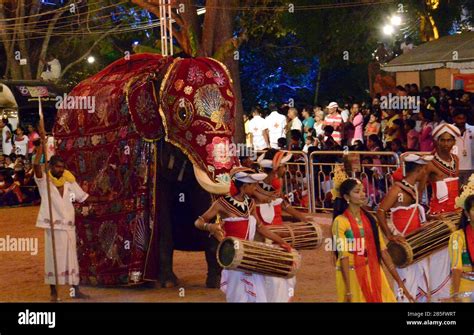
{"x":53,"y":68}
{"x":309,"y":142}
{"x":11,"y":194}
{"x":282,"y":143}
{"x":3,"y":174}
{"x":359,"y":146}
{"x":9,"y":162}
{"x":295,"y":139}
{"x":396,"y":146}
{"x":329,"y":143}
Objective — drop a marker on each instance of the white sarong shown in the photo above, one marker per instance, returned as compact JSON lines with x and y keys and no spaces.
{"x":240,"y":286}
{"x":66,"y":257}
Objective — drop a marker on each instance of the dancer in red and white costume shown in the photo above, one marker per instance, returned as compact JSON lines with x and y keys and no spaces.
{"x":443,"y":174}
{"x":270,"y":199}
{"x":237,"y":211}
{"x":270,"y":206}
{"x":402,"y":200}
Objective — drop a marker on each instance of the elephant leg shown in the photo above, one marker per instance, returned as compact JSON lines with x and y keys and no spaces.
{"x":166,"y":276}
{"x":213,"y":269}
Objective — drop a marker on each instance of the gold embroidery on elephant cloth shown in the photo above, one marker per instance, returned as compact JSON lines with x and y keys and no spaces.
{"x":210,"y":103}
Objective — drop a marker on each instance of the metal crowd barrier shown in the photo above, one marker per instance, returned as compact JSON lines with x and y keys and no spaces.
{"x":308,"y":180}
{"x":373,"y":168}
{"x":297,"y":181}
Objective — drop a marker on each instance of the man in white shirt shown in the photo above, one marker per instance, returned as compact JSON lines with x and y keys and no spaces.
{"x":276,"y":123}
{"x":64,"y":190}
{"x":53,"y":72}
{"x":295,"y":120}
{"x":464,"y":148}
{"x":258,"y":131}
{"x":7,"y":146}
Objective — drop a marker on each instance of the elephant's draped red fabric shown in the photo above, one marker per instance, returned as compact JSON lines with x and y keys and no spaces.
{"x":112,"y":150}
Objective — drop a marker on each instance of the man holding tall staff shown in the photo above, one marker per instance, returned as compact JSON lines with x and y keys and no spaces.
{"x":58,"y":190}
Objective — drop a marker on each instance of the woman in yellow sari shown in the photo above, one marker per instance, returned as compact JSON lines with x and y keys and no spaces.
{"x":360,"y":248}
{"x":461,"y":252}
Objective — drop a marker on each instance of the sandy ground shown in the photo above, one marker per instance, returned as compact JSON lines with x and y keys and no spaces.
{"x":21,"y":273}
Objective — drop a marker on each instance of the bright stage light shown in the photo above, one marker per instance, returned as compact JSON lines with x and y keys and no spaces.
{"x":396,"y":20}
{"x":388,"y":29}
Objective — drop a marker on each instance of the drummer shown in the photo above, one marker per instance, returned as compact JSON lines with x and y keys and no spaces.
{"x":237,"y":211}
{"x":443,"y":174}
{"x":461,"y":245}
{"x":407,"y":215}
{"x":270,"y":204}
{"x":360,"y":248}
{"x":268,"y":193}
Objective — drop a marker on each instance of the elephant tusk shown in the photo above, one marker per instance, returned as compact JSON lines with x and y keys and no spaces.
{"x":209,"y":185}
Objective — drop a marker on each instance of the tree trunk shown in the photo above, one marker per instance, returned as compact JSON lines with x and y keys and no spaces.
{"x":217,"y":31}
{"x":22,"y":42}
{"x":234,"y":68}
{"x":45,"y":44}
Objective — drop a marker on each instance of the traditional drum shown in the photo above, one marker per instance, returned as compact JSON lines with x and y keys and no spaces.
{"x":424,"y":241}
{"x":300,"y":235}
{"x":258,"y":257}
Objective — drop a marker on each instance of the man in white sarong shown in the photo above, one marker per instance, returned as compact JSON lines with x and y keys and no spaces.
{"x":443,"y":174}
{"x":64,"y":191}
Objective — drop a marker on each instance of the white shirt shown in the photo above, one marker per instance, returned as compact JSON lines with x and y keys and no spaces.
{"x":7,"y":146}
{"x":463,"y":149}
{"x":345,"y":115}
{"x":21,"y":146}
{"x":63,"y":210}
{"x":49,"y":147}
{"x":256,"y":127}
{"x":319,"y":128}
{"x":276,"y":123}
{"x":55,"y":68}
{"x":296,"y":124}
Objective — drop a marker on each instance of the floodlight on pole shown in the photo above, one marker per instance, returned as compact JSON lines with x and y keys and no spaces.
{"x":388,"y":29}
{"x":396,"y":20}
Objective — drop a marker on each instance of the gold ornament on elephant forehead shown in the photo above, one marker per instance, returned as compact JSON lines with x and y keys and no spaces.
{"x":210,"y":103}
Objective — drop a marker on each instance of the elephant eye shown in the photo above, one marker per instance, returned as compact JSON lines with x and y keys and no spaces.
{"x":183,"y":114}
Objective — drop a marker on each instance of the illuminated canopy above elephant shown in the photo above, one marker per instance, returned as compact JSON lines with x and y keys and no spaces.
{"x":189,"y":101}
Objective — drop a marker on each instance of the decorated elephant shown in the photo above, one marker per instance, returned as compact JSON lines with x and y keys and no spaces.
{"x":156,"y":143}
